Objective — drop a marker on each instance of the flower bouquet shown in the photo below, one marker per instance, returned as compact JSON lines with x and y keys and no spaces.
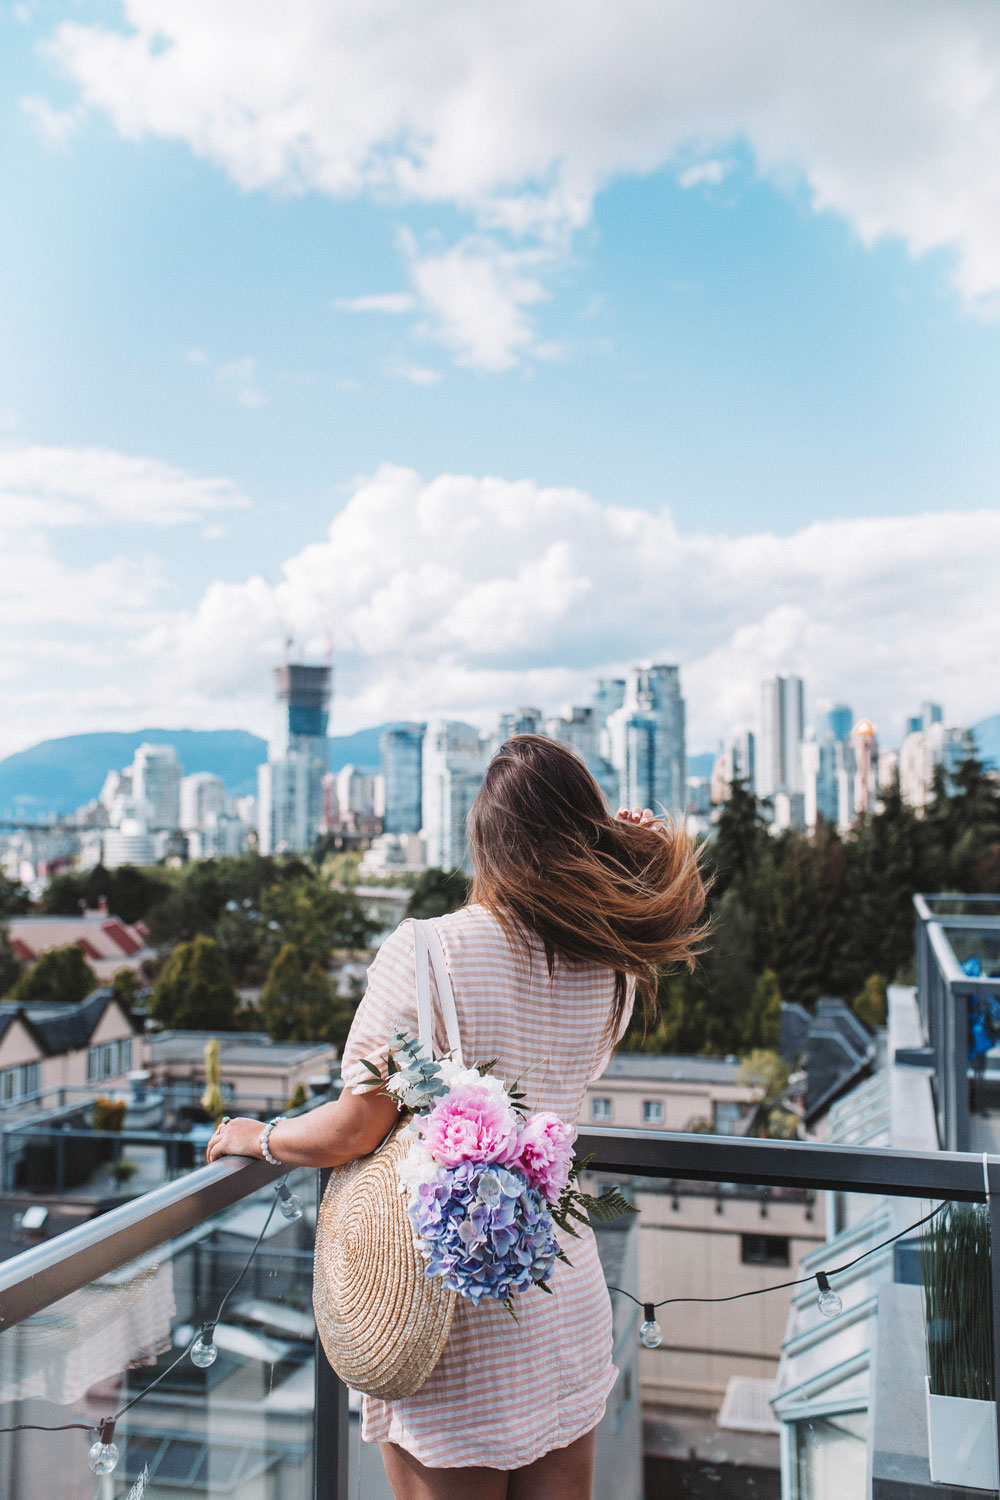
{"x":486,"y":1181}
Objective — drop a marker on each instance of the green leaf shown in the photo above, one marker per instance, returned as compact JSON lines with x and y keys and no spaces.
{"x":371,"y":1068}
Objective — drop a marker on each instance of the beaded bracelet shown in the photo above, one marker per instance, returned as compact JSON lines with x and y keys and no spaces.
{"x":265,"y":1136}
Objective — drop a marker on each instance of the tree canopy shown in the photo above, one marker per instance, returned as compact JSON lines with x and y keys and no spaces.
{"x":61,"y":974}
{"x":195,"y":992}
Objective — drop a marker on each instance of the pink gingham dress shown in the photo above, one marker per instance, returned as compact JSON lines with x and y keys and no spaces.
{"x":503,"y":1394}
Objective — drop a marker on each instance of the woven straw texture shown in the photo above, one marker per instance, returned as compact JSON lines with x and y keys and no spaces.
{"x":381,"y":1320}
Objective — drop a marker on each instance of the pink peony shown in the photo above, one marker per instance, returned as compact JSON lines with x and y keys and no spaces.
{"x":469,"y":1124}
{"x":544,"y":1153}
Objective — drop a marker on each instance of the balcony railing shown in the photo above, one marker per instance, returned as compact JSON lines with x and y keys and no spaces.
{"x":39,"y":1278}
{"x":950,"y":931}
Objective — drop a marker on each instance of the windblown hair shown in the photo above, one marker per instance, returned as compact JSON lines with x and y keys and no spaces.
{"x":549,"y":859}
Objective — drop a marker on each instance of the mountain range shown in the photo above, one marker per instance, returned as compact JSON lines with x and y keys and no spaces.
{"x":59,"y":775}
{"x":56,"y":776}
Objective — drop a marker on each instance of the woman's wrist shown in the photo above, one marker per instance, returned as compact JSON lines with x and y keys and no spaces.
{"x":266,"y":1150}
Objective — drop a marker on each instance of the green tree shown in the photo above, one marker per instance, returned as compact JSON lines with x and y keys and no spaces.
{"x":763,"y":1020}
{"x":10,"y":969}
{"x":872,"y":1005}
{"x":125,"y":988}
{"x":129,"y":892}
{"x":14,"y":899}
{"x":300,"y":1003}
{"x":195,"y":991}
{"x":315,"y":918}
{"x":62,"y":974}
{"x":438,"y":892}
{"x":740,"y":838}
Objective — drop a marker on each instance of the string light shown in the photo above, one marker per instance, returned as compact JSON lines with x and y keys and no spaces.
{"x":828,"y":1301}
{"x":104,"y":1453}
{"x":650,"y":1334}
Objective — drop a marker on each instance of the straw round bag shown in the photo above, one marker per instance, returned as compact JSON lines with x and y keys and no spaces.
{"x":381,"y":1320}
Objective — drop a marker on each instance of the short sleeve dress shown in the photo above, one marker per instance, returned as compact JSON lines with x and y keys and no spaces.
{"x":502,"y":1393}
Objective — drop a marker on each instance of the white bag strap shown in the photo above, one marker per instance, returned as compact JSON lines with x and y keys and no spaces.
{"x":426,"y":951}
{"x":446,"y":994}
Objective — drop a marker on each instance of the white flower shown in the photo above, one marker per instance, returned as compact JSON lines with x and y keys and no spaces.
{"x":472,"y":1076}
{"x":417,"y":1166}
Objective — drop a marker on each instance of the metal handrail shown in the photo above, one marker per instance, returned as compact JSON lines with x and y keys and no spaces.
{"x":41,"y":1275}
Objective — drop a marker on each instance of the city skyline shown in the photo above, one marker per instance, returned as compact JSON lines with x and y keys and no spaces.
{"x":703,"y":375}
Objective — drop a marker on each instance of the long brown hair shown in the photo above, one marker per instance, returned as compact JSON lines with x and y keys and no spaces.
{"x":549,"y":859}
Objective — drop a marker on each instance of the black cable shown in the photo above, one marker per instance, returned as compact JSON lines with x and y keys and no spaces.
{"x":89,"y":1427}
{"x":782,"y":1286}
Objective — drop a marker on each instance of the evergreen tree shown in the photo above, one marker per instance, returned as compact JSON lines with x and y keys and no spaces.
{"x":125,"y":987}
{"x":871,"y":1006}
{"x":438,"y":892}
{"x":740,"y":839}
{"x":129,"y":892}
{"x":62,"y":974}
{"x":763,"y":1020}
{"x":195,"y":992}
{"x":10,"y":969}
{"x":301,"y":1004}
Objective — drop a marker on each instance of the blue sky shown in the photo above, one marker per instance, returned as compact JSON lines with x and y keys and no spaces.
{"x":776,"y":329}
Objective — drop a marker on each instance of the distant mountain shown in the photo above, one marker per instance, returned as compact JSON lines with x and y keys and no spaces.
{"x":987,"y":736}
{"x":59,"y":775}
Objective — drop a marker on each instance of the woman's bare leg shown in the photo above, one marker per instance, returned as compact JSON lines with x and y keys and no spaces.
{"x":411,"y":1480}
{"x":561,"y":1474}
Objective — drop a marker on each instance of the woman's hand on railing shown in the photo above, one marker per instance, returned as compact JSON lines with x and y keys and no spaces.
{"x":239,"y":1137}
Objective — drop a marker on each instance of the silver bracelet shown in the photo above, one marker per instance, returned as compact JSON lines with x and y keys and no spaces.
{"x":265,"y":1136}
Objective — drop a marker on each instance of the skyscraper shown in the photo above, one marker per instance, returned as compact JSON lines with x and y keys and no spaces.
{"x":453,"y":765}
{"x":782,"y":726}
{"x":156,"y":781}
{"x":290,"y":783}
{"x":646,"y":743}
{"x":402,"y":761}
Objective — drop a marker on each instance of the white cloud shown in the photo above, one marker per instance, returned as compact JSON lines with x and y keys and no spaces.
{"x":476,"y":294}
{"x":710,"y":172}
{"x":55,"y":126}
{"x":520,"y":113}
{"x":57,"y":487}
{"x":237,"y":379}
{"x":401,"y":369}
{"x":379,"y":302}
{"x":465,"y":595}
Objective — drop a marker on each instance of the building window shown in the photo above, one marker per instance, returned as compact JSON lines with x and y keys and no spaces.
{"x":764,"y":1250}
{"x":18,"y":1083}
{"x":652,"y":1111}
{"x":725,"y":1116}
{"x":601,"y":1109}
{"x":109,"y":1060}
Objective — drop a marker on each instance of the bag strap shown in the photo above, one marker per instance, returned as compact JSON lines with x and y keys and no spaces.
{"x":426,"y":951}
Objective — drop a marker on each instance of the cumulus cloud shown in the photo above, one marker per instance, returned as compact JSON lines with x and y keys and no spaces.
{"x":55,"y":126}
{"x":710,"y":172}
{"x":58,"y":487}
{"x":378,"y":302}
{"x":519,"y":114}
{"x":465,"y":595}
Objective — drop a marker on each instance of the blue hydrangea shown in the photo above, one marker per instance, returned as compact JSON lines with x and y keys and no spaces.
{"x":483,"y":1230}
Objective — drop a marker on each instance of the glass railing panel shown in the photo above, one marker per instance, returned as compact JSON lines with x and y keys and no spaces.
{"x":240,"y":1425}
{"x":788,"y":1392}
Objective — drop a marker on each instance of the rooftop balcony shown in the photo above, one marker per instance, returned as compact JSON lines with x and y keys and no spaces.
{"x":91,"y":1321}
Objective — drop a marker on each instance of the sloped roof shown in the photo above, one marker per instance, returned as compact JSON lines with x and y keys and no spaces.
{"x":63,"y":1028}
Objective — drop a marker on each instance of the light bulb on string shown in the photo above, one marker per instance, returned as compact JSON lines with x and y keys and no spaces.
{"x":289,"y":1202}
{"x":828,"y":1301}
{"x":103,"y":1456}
{"x":203,"y":1350}
{"x":650,"y":1333}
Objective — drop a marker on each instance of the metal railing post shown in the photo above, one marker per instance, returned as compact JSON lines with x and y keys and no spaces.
{"x":331,"y":1418}
{"x":991,"y":1172}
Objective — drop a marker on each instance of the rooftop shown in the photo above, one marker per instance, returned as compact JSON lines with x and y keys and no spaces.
{"x":253,"y":1049}
{"x":673,"y":1068}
